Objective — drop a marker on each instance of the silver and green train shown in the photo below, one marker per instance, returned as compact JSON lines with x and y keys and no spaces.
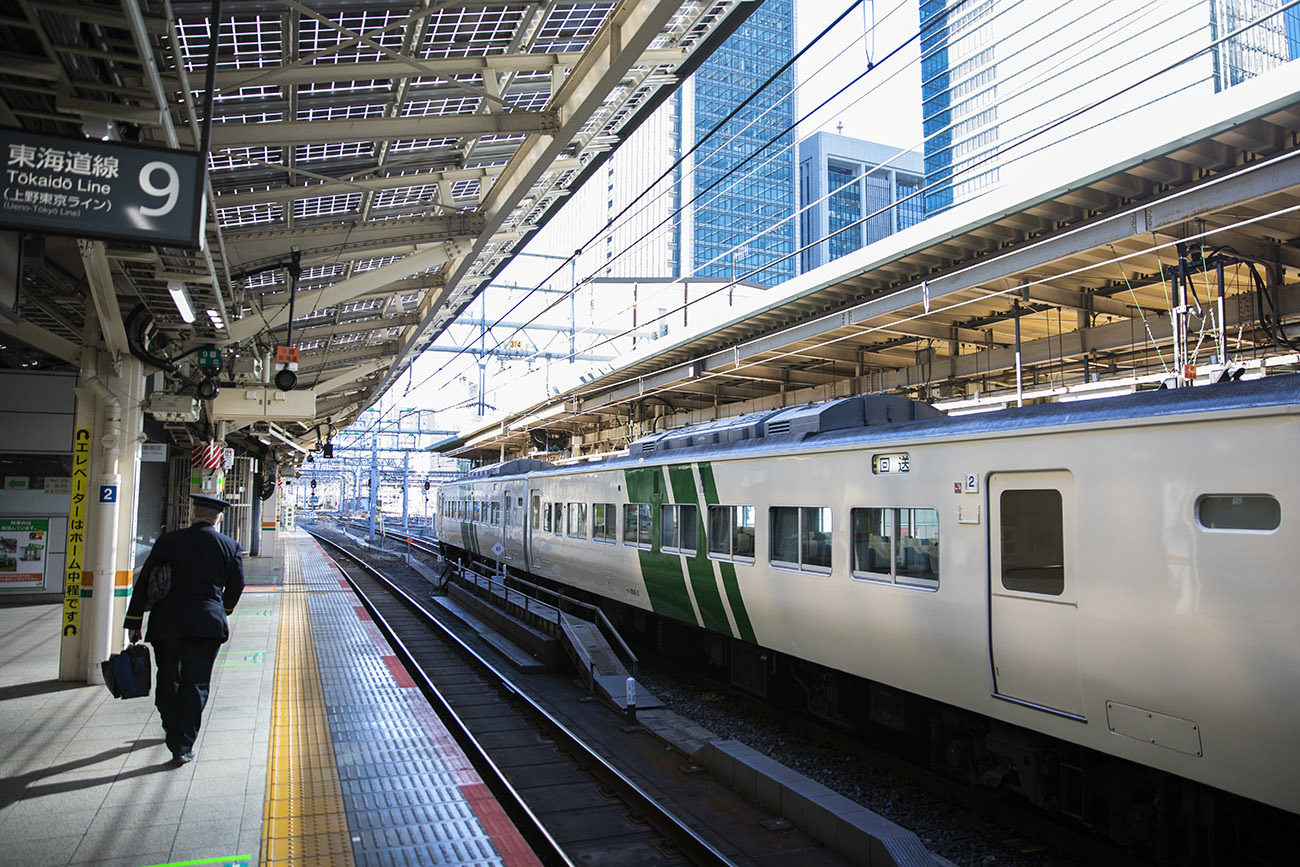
{"x":1095,"y":603}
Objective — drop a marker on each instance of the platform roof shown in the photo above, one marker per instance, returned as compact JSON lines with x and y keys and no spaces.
{"x":1080,"y":262}
{"x":387,"y":159}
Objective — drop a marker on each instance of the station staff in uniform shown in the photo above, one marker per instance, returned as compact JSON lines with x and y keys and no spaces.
{"x":188,"y":626}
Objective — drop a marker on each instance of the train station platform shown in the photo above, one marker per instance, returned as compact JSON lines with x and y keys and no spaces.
{"x":315,"y":748}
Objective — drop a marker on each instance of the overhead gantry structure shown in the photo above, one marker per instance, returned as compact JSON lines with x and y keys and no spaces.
{"x":371,"y":166}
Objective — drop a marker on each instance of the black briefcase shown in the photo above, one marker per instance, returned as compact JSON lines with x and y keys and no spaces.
{"x":127,"y":674}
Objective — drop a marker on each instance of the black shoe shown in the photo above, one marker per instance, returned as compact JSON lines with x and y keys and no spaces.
{"x":183,"y":756}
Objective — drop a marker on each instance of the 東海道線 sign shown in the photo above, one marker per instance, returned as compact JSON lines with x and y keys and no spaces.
{"x":97,"y":189}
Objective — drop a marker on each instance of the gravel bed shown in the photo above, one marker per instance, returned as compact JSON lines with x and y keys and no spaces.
{"x":944,"y":828}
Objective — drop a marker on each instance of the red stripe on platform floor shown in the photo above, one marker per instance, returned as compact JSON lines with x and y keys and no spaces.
{"x":399,"y":672}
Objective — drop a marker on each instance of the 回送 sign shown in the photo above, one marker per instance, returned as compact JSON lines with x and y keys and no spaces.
{"x":97,"y":189}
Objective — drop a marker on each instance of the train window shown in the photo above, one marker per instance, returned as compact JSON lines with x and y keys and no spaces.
{"x":731,"y":533}
{"x":801,"y":537}
{"x":1033,"y":541}
{"x":577,"y":525}
{"x":636,"y":525}
{"x":495,"y":519}
{"x":478,"y":513}
{"x":678,"y":528}
{"x":1258,"y":512}
{"x":546,"y":518}
{"x":815,"y":537}
{"x":604,"y":519}
{"x":559,"y":519}
{"x":896,"y":545}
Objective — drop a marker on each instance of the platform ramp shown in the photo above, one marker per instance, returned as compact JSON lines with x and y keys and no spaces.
{"x":596,"y":660}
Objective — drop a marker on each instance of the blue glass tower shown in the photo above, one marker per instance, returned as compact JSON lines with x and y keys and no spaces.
{"x":732,"y":209}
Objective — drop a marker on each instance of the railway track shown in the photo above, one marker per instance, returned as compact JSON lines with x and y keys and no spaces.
{"x":571,"y":803}
{"x":1035,"y":839}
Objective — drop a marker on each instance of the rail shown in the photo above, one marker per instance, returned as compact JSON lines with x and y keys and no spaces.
{"x":686,"y":839}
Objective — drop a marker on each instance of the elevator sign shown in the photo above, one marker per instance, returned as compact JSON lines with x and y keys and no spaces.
{"x":96,"y":189}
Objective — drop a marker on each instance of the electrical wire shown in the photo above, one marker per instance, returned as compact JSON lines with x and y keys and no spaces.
{"x":1023,"y":138}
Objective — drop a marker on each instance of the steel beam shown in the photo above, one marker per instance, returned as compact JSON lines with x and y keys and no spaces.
{"x":301,"y":132}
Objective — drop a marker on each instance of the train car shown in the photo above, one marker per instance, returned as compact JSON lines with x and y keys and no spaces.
{"x":1089,"y":602}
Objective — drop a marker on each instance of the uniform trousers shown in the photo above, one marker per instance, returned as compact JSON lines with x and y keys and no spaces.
{"x":184,"y":673}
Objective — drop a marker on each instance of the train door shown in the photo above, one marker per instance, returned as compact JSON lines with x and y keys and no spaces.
{"x":533,"y":521}
{"x":1033,"y":603}
{"x":506,"y":513}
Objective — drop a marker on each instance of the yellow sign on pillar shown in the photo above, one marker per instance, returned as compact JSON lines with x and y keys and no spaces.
{"x":76,"y":533}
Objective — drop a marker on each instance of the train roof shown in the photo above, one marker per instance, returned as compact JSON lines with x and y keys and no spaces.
{"x":868,"y":418}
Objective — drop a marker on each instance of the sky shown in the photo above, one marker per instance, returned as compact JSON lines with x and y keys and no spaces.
{"x":884,"y":106}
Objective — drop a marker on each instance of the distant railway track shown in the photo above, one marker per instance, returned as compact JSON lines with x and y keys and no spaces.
{"x":527,"y":750}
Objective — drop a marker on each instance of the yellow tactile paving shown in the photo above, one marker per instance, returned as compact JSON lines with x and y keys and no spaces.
{"x":303,"y":822}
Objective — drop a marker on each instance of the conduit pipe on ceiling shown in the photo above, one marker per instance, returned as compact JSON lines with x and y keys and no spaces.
{"x":104,"y":567}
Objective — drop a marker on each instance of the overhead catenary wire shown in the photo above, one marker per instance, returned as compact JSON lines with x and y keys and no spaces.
{"x":740,"y":366}
{"x":1091,"y":105}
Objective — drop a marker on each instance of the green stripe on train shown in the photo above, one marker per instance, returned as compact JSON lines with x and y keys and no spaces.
{"x":662,"y":573}
{"x":699,"y":567}
{"x":728,"y":570}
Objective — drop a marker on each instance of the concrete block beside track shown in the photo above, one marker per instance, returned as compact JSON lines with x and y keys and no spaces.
{"x":841,"y":824}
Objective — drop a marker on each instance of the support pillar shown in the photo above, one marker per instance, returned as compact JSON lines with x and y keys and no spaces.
{"x":107,"y":430}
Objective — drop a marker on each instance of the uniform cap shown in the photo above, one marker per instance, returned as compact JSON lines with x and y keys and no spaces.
{"x":207,"y":501}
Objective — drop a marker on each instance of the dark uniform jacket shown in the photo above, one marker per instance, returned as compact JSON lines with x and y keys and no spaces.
{"x":207,"y":580}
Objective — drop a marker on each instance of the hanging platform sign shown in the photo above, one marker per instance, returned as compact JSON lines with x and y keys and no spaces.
{"x":102,"y":190}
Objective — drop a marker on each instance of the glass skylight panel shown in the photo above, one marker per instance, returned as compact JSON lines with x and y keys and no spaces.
{"x":571,"y":26}
{"x":370,"y":265}
{"x":249,"y":117}
{"x":403,"y":196}
{"x":529,"y":100}
{"x":466,"y":104}
{"x":315,"y":37}
{"x":320,"y":272}
{"x":264,"y":280}
{"x":250,"y":215}
{"x":467,"y":189}
{"x":238,"y":158}
{"x":334,"y":151}
{"x":260,"y":92}
{"x":412,"y":145}
{"x":324,"y":206}
{"x":340,"y":112}
{"x":471,"y":32}
{"x":253,"y":43}
{"x":358,"y":86}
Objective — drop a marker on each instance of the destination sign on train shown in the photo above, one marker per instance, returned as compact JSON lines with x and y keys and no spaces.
{"x":100,"y":190}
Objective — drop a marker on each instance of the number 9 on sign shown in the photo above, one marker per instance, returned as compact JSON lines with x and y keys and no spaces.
{"x":171,"y":191}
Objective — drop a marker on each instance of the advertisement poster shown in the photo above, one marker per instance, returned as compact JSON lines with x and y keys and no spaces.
{"x":23,"y":542}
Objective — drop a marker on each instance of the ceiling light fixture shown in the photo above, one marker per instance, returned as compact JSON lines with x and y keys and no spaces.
{"x":181,"y":296}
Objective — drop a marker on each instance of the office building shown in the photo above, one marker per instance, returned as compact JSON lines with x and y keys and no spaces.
{"x":1002,"y":82}
{"x":723,"y":211}
{"x":853,"y":193}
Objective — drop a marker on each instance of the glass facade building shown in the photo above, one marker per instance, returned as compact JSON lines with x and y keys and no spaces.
{"x":745,"y":221}
{"x":728,"y":208}
{"x":853,"y":193}
{"x":1001,"y":82}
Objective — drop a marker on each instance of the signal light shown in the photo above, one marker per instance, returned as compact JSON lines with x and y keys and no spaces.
{"x":313,"y":484}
